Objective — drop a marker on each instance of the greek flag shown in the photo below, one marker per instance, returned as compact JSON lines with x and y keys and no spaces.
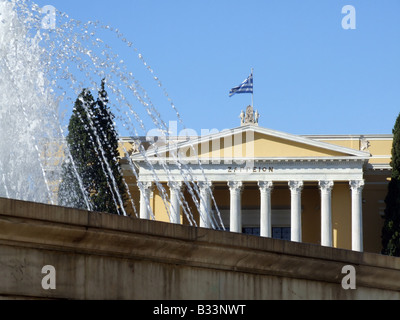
{"x":245,"y":87}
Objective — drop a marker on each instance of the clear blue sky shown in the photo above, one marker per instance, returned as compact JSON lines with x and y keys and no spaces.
{"x":310,"y":75}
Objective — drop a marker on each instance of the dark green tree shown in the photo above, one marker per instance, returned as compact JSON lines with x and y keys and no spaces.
{"x":111,"y":186}
{"x":81,"y":156}
{"x":391,"y":227}
{"x":92,"y":173}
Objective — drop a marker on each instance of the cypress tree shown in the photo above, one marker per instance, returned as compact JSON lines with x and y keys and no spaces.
{"x":391,"y":227}
{"x":80,"y":145}
{"x":111,"y":186}
{"x":93,"y":143}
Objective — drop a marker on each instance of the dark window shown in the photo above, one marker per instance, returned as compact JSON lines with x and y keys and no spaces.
{"x":252,"y":231}
{"x":281,"y":233}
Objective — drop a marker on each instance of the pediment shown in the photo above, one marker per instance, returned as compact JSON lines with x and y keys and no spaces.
{"x":256,"y":142}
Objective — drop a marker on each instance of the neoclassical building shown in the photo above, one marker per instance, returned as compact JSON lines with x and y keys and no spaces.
{"x":323,"y":189}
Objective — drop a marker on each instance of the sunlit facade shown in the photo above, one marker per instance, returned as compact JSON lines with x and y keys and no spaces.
{"x":323,"y":189}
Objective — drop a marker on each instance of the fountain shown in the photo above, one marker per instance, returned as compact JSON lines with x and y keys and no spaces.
{"x":28,"y":110}
{"x":44,"y":66}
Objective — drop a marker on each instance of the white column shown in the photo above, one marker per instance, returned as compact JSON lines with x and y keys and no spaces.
{"x":265,"y":208}
{"x":326,"y":213}
{"x":145,"y":191}
{"x":205,"y":189}
{"x":236,"y":188}
{"x":295,"y":189}
{"x":175,"y":207}
{"x":357,"y":187}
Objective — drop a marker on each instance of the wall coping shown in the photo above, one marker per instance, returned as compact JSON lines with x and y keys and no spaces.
{"x":48,"y":227}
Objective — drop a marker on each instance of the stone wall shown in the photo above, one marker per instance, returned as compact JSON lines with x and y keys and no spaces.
{"x":101,"y":256}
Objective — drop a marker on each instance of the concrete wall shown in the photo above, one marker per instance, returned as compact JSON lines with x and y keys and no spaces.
{"x":100,"y":256}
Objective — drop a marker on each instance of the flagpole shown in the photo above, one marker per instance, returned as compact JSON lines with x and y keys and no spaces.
{"x":252,"y":94}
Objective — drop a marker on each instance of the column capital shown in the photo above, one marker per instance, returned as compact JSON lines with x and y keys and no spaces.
{"x":205,"y":185}
{"x":357,"y":185}
{"x":145,"y":185}
{"x":265,"y":186}
{"x":235,"y":185}
{"x":175,"y":185}
{"x":296,"y":186}
{"x":326,"y":185}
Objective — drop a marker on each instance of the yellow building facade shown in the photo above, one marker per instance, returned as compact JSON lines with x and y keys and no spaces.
{"x":326,"y":190}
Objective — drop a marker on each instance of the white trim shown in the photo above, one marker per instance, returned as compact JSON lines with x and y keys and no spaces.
{"x":280,"y":171}
{"x":379,"y":166}
{"x":350,"y":137}
{"x":381,"y":157}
